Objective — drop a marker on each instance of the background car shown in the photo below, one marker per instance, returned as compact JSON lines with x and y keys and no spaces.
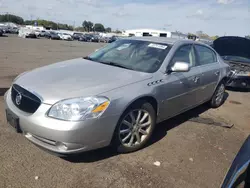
{"x":238,"y":174}
{"x":83,"y":38}
{"x":112,"y":39}
{"x":104,"y":39}
{"x":52,"y":35}
{"x":76,"y":36}
{"x":42,"y":33}
{"x":236,"y":52}
{"x":91,"y":38}
{"x":1,"y":32}
{"x":65,"y":36}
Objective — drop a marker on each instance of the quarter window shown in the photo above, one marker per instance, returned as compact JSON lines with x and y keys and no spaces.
{"x":206,"y":56}
{"x":185,"y":54}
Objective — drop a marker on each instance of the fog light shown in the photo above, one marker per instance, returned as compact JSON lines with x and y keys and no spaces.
{"x":61,"y":146}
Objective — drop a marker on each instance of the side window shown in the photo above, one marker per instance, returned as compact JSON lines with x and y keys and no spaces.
{"x":185,"y":54}
{"x":205,"y":55}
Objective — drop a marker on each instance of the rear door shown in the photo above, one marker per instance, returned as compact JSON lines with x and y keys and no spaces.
{"x":210,"y":70}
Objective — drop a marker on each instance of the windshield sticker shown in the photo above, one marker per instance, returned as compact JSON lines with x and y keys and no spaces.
{"x":123,"y":46}
{"x":159,"y":46}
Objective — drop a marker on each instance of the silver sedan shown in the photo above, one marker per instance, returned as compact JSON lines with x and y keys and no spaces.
{"x":116,"y":95}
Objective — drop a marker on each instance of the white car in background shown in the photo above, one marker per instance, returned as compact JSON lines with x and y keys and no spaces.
{"x":65,"y":36}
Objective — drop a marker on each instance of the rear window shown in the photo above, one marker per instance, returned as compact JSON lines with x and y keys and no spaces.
{"x":206,"y":55}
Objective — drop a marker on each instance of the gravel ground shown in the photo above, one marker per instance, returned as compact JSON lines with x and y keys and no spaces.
{"x":191,"y":154}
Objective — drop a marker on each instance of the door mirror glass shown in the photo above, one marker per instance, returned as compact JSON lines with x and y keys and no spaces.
{"x":180,"y":67}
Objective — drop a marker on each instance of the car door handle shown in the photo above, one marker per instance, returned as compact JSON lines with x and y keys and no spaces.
{"x":217,"y":73}
{"x":196,"y":79}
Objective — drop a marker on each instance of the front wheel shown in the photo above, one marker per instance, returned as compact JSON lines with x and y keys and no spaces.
{"x":134,"y":128}
{"x":218,"y":96}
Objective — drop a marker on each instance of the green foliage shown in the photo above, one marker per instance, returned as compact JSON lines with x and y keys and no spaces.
{"x":108,"y":30}
{"x":87,"y":25}
{"x":11,"y":18}
{"x":82,"y":29}
{"x":117,"y":31}
{"x":50,"y":24}
{"x":99,"y":27}
{"x":214,"y":37}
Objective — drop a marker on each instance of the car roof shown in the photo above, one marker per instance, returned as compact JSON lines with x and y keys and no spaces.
{"x":165,"y":40}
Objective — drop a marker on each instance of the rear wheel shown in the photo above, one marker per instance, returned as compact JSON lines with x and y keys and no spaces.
{"x":134,"y":128}
{"x":218,"y":96}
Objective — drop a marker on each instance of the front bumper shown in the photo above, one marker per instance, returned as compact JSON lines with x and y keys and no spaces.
{"x":239,"y":81}
{"x":63,"y":137}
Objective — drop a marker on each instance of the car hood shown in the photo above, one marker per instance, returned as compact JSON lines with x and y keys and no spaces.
{"x":232,"y":46}
{"x":76,"y":78}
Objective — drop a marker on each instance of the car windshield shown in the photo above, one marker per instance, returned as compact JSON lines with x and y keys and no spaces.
{"x":236,"y":58}
{"x":137,"y":55}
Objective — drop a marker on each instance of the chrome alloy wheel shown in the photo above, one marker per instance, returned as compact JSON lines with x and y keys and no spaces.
{"x":220,"y":94}
{"x":135,"y":128}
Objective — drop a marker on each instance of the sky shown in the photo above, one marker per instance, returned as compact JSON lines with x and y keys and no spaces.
{"x":214,"y":17}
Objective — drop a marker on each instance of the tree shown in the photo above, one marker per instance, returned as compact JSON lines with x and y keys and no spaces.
{"x":49,"y":24}
{"x":117,"y":31}
{"x":85,"y":25}
{"x":90,"y":26}
{"x":99,"y":27}
{"x":11,"y":18}
{"x":214,"y":37}
{"x":108,"y":30}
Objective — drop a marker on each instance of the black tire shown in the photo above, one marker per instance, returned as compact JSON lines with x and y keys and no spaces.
{"x":116,"y":141}
{"x":213,"y":103}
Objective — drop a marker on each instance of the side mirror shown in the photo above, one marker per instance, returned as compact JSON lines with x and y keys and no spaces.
{"x":180,"y":67}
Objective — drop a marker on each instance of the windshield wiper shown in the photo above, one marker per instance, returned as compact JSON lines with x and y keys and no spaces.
{"x":115,"y":64}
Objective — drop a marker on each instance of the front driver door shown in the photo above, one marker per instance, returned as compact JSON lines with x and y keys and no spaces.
{"x":181,"y":89}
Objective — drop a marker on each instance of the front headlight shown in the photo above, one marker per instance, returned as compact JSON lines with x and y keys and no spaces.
{"x":77,"y":109}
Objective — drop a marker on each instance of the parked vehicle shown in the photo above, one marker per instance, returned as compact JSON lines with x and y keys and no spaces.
{"x":112,"y":39}
{"x":82,"y":38}
{"x":91,"y":38}
{"x":236,"y":52}
{"x":26,"y":33}
{"x":1,"y":32}
{"x":104,"y":39}
{"x":116,"y":95}
{"x":239,"y":172}
{"x":14,"y":30}
{"x":37,"y":32}
{"x":76,"y":36}
{"x":42,"y":33}
{"x":65,"y":36}
{"x":52,"y":35}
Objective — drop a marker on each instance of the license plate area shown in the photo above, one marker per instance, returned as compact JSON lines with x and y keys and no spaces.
{"x":13,"y":120}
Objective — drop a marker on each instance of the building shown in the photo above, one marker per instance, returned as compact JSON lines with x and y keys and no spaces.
{"x":154,"y":33}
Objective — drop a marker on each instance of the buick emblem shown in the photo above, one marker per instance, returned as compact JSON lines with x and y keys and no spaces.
{"x":18,"y":98}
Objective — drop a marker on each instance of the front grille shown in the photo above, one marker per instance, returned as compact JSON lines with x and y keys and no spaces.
{"x":24,"y":100}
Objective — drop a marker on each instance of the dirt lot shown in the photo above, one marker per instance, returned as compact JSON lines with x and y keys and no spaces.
{"x":191,"y":154}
